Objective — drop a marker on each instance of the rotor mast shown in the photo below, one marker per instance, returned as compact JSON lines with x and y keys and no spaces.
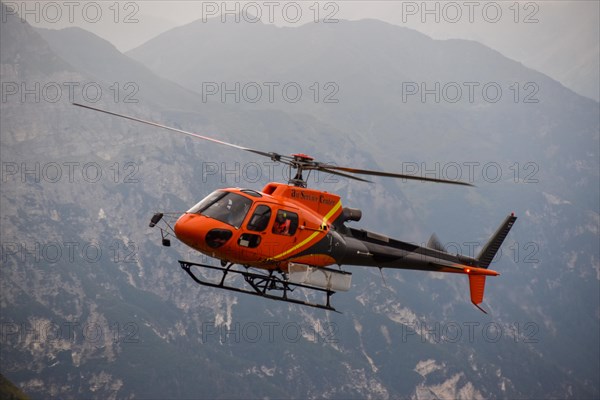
{"x":299,"y":163}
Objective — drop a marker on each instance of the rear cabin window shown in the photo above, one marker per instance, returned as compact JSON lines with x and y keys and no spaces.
{"x":285,"y":223}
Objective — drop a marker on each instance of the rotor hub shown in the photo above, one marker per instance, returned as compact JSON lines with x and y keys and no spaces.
{"x":302,"y":157}
{"x":300,"y":162}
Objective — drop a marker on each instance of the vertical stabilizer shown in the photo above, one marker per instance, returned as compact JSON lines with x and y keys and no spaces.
{"x":485,"y":257}
{"x":477,"y":286}
{"x":487,"y":253}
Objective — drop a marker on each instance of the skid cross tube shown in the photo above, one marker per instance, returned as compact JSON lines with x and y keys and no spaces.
{"x":262,"y":285}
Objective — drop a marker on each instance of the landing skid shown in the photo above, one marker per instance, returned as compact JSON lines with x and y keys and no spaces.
{"x":270,"y":286}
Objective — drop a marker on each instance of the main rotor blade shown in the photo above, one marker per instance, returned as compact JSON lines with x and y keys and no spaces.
{"x":289,"y":160}
{"x":262,"y":153}
{"x":330,"y":171}
{"x":393,"y":175}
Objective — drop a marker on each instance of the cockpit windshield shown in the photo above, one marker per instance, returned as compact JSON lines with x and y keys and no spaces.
{"x":205,"y":202}
{"x":227,"y":207}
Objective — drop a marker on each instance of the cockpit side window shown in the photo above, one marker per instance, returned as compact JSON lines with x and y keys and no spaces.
{"x":260,"y":219}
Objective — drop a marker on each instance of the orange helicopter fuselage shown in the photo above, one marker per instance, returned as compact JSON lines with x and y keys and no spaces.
{"x":266,"y":229}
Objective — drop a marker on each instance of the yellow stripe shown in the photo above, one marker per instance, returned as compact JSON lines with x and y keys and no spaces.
{"x":314,"y":234}
{"x":331,"y":212}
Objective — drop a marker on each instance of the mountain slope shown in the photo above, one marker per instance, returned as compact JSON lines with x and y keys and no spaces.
{"x":105,"y":64}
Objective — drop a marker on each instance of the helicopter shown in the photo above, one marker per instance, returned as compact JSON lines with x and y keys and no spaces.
{"x":287,"y":236}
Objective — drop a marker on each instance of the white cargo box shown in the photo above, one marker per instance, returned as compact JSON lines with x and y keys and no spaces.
{"x":321,"y":277}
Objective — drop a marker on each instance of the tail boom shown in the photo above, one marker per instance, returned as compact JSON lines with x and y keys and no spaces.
{"x":366,"y":248}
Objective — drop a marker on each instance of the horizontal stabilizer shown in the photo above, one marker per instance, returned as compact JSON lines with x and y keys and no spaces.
{"x":434,"y":243}
{"x":487,"y":253}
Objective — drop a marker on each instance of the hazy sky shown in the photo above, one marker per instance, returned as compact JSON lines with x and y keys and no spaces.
{"x":128,"y":24}
{"x":559,"y":38}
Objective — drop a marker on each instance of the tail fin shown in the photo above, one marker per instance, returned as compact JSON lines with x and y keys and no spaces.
{"x":487,"y":253}
{"x":477,"y":286}
{"x":435,"y":243}
{"x":485,"y":257}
